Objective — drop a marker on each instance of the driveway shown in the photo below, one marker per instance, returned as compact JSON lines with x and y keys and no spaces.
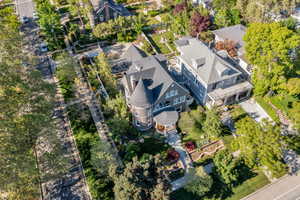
{"x":254,"y":110}
{"x":286,"y":188}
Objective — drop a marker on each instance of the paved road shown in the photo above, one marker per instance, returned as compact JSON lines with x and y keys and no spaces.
{"x":25,"y":8}
{"x":254,"y":110}
{"x":287,"y":188}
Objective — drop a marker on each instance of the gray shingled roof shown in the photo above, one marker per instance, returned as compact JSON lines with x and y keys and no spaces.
{"x":192,"y":50}
{"x":234,"y":33}
{"x":166,"y":117}
{"x":141,"y":97}
{"x":133,"y":53}
{"x":155,"y":77}
{"x":99,"y":5}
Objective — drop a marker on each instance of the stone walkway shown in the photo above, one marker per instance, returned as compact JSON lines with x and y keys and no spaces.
{"x":175,"y":141}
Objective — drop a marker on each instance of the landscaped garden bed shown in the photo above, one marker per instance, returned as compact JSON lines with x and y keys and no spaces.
{"x":174,"y":175}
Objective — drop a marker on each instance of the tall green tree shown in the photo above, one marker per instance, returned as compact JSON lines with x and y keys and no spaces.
{"x":49,"y":22}
{"x":226,"y":167}
{"x":212,"y":126}
{"x":200,"y":182}
{"x":227,"y":17}
{"x":268,"y":48}
{"x":260,"y":144}
{"x":139,"y":181}
{"x":221,"y":4}
{"x":103,"y":67}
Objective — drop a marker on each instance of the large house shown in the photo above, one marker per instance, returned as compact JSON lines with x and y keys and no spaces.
{"x":152,"y":95}
{"x":104,"y":10}
{"x":212,"y":76}
{"x":235,"y":33}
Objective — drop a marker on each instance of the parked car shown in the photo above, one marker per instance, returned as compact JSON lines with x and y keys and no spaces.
{"x":24,"y":20}
{"x":35,"y":16}
{"x":43,"y":47}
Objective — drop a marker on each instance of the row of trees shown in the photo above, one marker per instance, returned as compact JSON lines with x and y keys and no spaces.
{"x":26,"y":107}
{"x":230,"y":12}
{"x":124,"y":27}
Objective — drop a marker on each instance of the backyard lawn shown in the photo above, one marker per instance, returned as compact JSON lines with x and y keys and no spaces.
{"x":239,"y":192}
{"x":191,"y":123}
{"x":249,"y":186}
{"x":161,"y":46}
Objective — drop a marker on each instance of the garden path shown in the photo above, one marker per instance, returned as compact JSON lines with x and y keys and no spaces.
{"x":174,"y":140}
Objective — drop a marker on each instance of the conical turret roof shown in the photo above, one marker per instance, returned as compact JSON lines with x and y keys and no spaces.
{"x":141,"y":96}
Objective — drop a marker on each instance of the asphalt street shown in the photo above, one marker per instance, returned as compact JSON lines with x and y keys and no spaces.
{"x":287,"y":188}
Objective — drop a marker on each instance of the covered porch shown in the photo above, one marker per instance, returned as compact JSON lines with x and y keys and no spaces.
{"x":229,"y":95}
{"x":165,"y":121}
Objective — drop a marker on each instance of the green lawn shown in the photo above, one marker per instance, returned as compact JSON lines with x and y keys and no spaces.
{"x":246,"y":188}
{"x":162,"y":47}
{"x":267,"y":107}
{"x":249,"y":186}
{"x":191,"y":123}
{"x":283,"y":103}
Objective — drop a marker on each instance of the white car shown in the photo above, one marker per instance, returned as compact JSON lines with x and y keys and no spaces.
{"x":35,"y":16}
{"x":43,"y":47}
{"x":24,"y":20}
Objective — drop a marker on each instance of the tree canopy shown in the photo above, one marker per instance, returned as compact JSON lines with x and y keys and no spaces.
{"x":260,"y":144}
{"x":269,"y":48}
{"x":200,"y":182}
{"x":212,"y":125}
{"x":25,"y":118}
{"x":139,"y":181}
{"x":226,"y":167}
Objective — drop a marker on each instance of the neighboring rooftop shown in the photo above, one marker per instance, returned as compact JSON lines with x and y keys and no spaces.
{"x":234,"y":33}
{"x":209,"y":66}
{"x":98,"y":5}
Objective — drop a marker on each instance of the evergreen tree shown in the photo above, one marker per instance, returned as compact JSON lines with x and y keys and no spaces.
{"x":212,"y":125}
{"x":226,"y":167}
{"x":140,"y":181}
{"x":200,"y":182}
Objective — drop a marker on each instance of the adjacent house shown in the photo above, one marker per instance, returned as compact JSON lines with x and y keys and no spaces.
{"x":205,"y":3}
{"x":152,"y":95}
{"x":105,"y":10}
{"x":235,"y":33}
{"x":296,"y":15}
{"x":213,"y":77}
